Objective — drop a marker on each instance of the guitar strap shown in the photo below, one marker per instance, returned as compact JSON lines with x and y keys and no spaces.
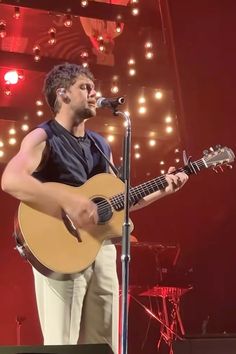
{"x":114,"y":169}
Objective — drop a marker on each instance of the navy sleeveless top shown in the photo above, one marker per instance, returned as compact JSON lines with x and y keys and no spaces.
{"x":69,"y":159}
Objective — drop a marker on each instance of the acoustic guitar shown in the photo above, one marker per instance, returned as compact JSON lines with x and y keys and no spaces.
{"x":53,"y":245}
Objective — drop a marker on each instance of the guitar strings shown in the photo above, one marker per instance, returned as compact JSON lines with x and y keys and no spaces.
{"x":137,"y":190}
{"x":159,"y":182}
{"x":142,"y":190}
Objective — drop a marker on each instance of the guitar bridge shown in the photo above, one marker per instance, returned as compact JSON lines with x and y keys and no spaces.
{"x":70,"y":226}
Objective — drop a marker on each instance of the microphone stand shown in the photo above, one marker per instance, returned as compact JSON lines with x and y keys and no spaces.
{"x":125,"y":253}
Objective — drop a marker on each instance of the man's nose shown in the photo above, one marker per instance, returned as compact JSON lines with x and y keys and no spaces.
{"x":92,"y":93}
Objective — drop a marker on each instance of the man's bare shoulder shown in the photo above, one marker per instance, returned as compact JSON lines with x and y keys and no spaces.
{"x":36,"y":138}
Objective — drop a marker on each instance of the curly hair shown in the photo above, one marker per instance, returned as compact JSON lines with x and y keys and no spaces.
{"x":62,"y":76}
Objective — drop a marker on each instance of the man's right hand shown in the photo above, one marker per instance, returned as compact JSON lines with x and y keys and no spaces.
{"x":81,"y":211}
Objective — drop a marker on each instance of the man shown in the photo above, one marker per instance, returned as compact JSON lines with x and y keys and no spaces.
{"x":84,"y":310}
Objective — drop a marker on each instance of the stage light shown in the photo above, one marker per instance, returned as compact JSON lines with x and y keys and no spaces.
{"x":85,"y":64}
{"x":68,"y":20}
{"x":111,"y":128}
{"x":101,"y":45}
{"x":16,"y":13}
{"x":134,"y":8}
{"x":152,"y":142}
{"x":110,"y":138}
{"x":131,"y":61}
{"x":135,"y":11}
{"x":37,"y":54}
{"x":3,"y":31}
{"x":98,"y":94}
{"x":148,"y":45}
{"x":114,"y":89}
{"x":7,"y":90}
{"x":39,"y":103}
{"x":149,"y":55}
{"x":118,"y":27}
{"x":168,"y":119}
{"x":84,"y":57}
{"x":142,"y":110}
{"x":84,"y":3}
{"x":84,"y":54}
{"x":12,"y":141}
{"x":152,"y":134}
{"x":11,"y":77}
{"x":52,"y":33}
{"x":39,"y":113}
{"x":169,"y":129}
{"x":132,"y":72}
{"x":141,"y":100}
{"x":1,"y":153}
{"x":25,"y":127}
{"x":12,"y":131}
{"x":158,"y":95}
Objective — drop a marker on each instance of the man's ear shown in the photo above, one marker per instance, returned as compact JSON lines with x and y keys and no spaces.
{"x":62,"y":93}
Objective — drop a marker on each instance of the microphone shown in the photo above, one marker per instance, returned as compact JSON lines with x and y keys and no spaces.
{"x":103,"y":102}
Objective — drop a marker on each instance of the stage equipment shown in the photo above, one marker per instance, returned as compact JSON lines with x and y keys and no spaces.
{"x":58,"y":349}
{"x":168,"y":313}
{"x":209,"y":344}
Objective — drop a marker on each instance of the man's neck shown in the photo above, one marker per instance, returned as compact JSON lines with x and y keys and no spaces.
{"x":77,"y":128}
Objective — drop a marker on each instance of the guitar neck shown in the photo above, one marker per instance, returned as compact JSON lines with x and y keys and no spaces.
{"x":154,"y":185}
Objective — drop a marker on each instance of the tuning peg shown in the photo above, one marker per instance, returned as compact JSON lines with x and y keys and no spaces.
{"x":218,"y":169}
{"x":229,"y":166}
{"x":185,"y":159}
{"x":221,"y":168}
{"x":211,"y":149}
{"x":205,"y":152}
{"x":218,"y":147}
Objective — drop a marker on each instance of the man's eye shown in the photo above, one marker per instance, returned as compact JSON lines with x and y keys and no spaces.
{"x":86,"y":87}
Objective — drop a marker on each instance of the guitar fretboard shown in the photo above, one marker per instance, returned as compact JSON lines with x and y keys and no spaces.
{"x":154,"y":185}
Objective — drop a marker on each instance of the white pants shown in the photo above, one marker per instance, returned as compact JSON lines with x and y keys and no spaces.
{"x":84,"y":310}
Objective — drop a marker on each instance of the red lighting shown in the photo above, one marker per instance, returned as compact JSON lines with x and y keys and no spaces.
{"x":11,"y":77}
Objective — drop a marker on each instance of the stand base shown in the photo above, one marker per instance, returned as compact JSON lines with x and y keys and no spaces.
{"x":215,"y":344}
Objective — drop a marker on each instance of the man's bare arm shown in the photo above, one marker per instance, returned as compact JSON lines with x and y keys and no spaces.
{"x":18,"y":181}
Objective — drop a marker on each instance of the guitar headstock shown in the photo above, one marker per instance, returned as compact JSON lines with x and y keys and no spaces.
{"x":217,"y":157}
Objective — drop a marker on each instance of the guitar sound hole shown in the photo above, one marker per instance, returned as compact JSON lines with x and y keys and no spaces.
{"x":104,"y":209}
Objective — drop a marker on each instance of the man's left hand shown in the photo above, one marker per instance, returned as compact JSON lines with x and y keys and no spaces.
{"x":175,"y":181}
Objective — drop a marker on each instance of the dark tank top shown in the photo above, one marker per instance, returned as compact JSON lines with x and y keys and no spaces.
{"x":69,"y":159}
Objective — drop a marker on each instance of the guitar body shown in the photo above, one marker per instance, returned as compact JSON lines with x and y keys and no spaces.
{"x":56,"y":249}
{"x":51,"y":247}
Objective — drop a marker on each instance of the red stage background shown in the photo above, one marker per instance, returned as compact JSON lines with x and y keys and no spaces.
{"x":201,"y":217}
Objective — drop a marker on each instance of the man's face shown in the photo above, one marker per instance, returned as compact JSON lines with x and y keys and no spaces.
{"x":82,"y":96}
